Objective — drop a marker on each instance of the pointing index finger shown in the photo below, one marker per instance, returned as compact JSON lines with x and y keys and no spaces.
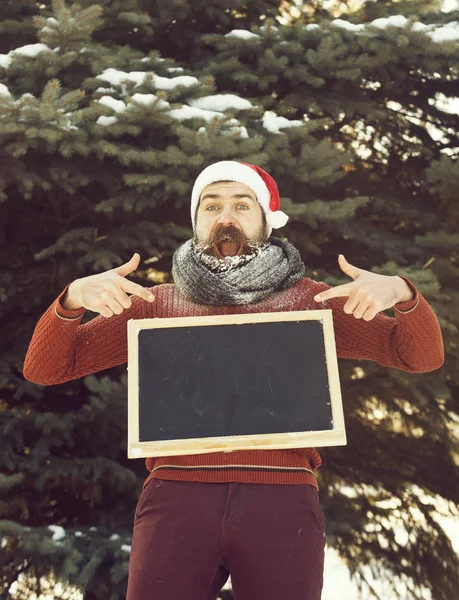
{"x":336,"y":292}
{"x":137,"y":290}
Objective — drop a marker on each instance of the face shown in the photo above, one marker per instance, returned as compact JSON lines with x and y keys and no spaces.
{"x":229,"y":220}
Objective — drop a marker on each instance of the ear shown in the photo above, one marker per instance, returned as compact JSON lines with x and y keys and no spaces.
{"x":266,"y":228}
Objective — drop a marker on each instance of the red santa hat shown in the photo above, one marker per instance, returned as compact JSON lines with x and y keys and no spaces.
{"x":259,"y":181}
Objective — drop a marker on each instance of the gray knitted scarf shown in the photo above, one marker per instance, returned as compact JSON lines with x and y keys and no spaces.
{"x":274,"y":267}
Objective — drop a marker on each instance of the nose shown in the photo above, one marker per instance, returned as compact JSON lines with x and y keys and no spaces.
{"x":226,"y":218}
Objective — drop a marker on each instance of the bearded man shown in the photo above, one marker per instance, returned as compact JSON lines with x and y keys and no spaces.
{"x":251,"y":514}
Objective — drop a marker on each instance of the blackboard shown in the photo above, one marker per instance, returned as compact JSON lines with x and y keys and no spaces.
{"x":203,"y":384}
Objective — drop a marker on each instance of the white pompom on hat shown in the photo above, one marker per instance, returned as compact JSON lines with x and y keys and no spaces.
{"x":259,"y":181}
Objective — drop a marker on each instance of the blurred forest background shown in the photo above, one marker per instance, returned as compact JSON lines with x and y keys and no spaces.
{"x":108,"y":112}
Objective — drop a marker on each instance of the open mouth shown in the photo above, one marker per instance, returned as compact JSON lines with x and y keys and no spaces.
{"x":227,"y":247}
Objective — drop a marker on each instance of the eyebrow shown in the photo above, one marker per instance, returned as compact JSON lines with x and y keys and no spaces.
{"x":215,"y":196}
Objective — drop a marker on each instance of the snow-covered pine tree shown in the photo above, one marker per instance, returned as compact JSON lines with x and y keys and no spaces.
{"x":108,"y":114}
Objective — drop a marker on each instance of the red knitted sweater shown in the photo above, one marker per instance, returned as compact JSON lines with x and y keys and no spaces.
{"x":61,"y":349}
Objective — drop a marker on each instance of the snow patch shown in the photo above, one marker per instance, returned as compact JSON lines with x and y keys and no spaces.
{"x":394,"y":20}
{"x":105,"y":121}
{"x":116,"y":77}
{"x":104,"y":90}
{"x":163,"y":83}
{"x":149,"y":99}
{"x":29,"y":50}
{"x":348,"y":26}
{"x":221,"y":102}
{"x":422,"y":27}
{"x":189,"y":112}
{"x":116,"y":105}
{"x":59,"y":532}
{"x":242,"y":34}
{"x":437,"y":33}
{"x":442,"y":33}
{"x":447,"y":33}
{"x":274,"y":123}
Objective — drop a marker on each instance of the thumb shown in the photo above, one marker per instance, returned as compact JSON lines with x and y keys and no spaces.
{"x":349,"y":269}
{"x":128,"y":267}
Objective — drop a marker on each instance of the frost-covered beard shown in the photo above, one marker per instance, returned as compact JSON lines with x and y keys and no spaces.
{"x":216,"y":255}
{"x":220,"y":265}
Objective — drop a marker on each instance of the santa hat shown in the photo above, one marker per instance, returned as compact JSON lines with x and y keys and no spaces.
{"x":260,"y":182}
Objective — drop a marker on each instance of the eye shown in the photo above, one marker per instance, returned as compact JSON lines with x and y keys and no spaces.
{"x":212,"y":207}
{"x":243,"y":206}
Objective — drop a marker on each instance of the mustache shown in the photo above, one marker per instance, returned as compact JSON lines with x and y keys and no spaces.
{"x":233,"y":234}
{"x":227,"y":232}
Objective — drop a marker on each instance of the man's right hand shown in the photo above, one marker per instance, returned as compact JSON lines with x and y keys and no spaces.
{"x":106,"y":293}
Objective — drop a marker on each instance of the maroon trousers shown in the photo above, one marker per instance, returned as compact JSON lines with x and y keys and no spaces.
{"x":190,"y":536}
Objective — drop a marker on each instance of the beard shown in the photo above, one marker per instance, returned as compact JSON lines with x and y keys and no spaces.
{"x":227,"y":247}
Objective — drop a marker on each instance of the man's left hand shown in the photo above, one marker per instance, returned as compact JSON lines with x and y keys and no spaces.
{"x":369,"y":293}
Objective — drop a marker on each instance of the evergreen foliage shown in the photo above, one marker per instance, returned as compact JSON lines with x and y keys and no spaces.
{"x":108,"y":113}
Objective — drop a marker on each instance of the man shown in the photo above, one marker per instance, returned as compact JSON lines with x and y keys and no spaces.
{"x":253,"y":514}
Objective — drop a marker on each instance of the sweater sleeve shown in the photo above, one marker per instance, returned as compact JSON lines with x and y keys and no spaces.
{"x":61,"y":349}
{"x":412,"y":341}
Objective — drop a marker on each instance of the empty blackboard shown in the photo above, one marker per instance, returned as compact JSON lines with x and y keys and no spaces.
{"x":203,"y":384}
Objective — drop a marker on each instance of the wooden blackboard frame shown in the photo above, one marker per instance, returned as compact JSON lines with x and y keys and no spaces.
{"x":334,"y":437}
